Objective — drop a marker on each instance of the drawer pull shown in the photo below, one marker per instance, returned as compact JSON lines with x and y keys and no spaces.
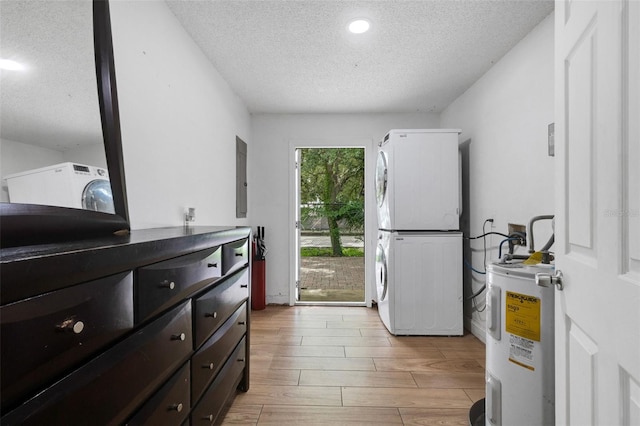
{"x":209,"y":417}
{"x":180,"y":337}
{"x":240,"y":322}
{"x":244,"y":285}
{"x":208,"y":366}
{"x":240,"y":360}
{"x":71,"y":325}
{"x":176,"y":407}
{"x":212,"y":265}
{"x":238,"y":254}
{"x":166,"y":284}
{"x":211,"y":315}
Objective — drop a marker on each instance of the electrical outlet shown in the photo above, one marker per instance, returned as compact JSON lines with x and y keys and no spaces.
{"x":521,"y":229}
{"x":491,"y":221}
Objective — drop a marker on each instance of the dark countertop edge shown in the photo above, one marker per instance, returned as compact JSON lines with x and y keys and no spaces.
{"x":33,"y":270}
{"x":12,"y":254}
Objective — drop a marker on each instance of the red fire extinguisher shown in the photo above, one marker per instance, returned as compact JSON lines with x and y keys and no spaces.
{"x":258,"y":271}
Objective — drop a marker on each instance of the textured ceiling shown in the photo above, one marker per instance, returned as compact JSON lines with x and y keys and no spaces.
{"x":54,"y":102}
{"x":296,"y":56}
{"x":279,"y":56}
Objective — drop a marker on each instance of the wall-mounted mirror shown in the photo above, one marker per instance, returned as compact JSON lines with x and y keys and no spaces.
{"x":61,"y":156}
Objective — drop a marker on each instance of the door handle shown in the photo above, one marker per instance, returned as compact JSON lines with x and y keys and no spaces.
{"x":548,"y":280}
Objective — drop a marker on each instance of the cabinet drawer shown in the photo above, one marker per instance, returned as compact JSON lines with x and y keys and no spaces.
{"x":46,"y":336}
{"x":214,"y":307}
{"x":161,"y":285}
{"x":170,"y":405}
{"x":108,"y":389}
{"x":235,"y":253}
{"x":210,"y":358}
{"x":213,"y":401}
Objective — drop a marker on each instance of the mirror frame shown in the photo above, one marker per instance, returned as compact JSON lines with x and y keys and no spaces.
{"x":28,"y":224}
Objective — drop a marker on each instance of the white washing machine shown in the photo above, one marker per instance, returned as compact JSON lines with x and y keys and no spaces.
{"x":63,"y":185}
{"x":419,"y":282}
{"x":382,"y":277}
{"x":418,"y":180}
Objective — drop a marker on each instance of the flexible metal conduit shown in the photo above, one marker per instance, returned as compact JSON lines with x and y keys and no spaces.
{"x":531,"y":222}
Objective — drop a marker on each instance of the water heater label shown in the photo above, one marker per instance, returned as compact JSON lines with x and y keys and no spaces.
{"x":521,"y":352}
{"x":522,"y":315}
{"x":522,"y":321}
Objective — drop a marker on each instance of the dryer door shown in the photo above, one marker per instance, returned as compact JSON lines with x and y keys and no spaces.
{"x":381,"y":178}
{"x":97,"y":196}
{"x":382,"y":187}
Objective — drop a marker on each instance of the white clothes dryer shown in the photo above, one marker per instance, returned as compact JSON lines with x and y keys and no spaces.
{"x":418,"y":180}
{"x":419,"y":282}
{"x":63,"y":185}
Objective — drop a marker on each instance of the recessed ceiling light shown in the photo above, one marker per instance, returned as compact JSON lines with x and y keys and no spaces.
{"x":8,"y":64}
{"x":359,"y":26}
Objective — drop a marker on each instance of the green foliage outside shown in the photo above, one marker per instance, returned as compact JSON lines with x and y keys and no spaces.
{"x":332,"y":186}
{"x":327,"y":251}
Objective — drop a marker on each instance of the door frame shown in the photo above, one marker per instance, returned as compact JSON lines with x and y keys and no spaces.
{"x":370,"y":221}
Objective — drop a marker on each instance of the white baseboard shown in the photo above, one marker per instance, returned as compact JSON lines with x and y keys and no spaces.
{"x":277,"y":300}
{"x":476,"y":328}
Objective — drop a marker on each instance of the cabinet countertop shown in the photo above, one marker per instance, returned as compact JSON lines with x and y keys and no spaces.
{"x":32,"y":270}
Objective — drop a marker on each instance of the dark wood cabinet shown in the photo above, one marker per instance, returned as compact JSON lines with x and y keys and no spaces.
{"x":212,"y":403}
{"x":170,"y":405}
{"x":208,"y":360}
{"x":161,"y":284}
{"x":214,"y":307}
{"x":113,"y":346}
{"x":46,"y":336}
{"x":234,"y":255}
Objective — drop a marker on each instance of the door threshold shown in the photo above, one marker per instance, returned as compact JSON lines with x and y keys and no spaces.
{"x":319,"y":303}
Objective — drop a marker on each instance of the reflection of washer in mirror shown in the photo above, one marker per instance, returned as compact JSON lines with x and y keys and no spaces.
{"x":64,"y":185}
{"x":97,"y":196}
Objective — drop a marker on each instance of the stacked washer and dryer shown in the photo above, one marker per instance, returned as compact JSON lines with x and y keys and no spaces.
{"x":419,"y":254}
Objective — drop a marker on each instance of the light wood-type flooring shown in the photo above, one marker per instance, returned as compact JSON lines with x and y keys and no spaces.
{"x":330,"y":365}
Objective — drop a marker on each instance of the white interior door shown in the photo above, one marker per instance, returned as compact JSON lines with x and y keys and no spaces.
{"x":598,"y":212}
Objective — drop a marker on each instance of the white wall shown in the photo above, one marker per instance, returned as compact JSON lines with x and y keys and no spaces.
{"x":17,"y":157}
{"x":92,"y":155}
{"x":269,"y":161}
{"x":179,"y":120}
{"x":505,"y":115}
